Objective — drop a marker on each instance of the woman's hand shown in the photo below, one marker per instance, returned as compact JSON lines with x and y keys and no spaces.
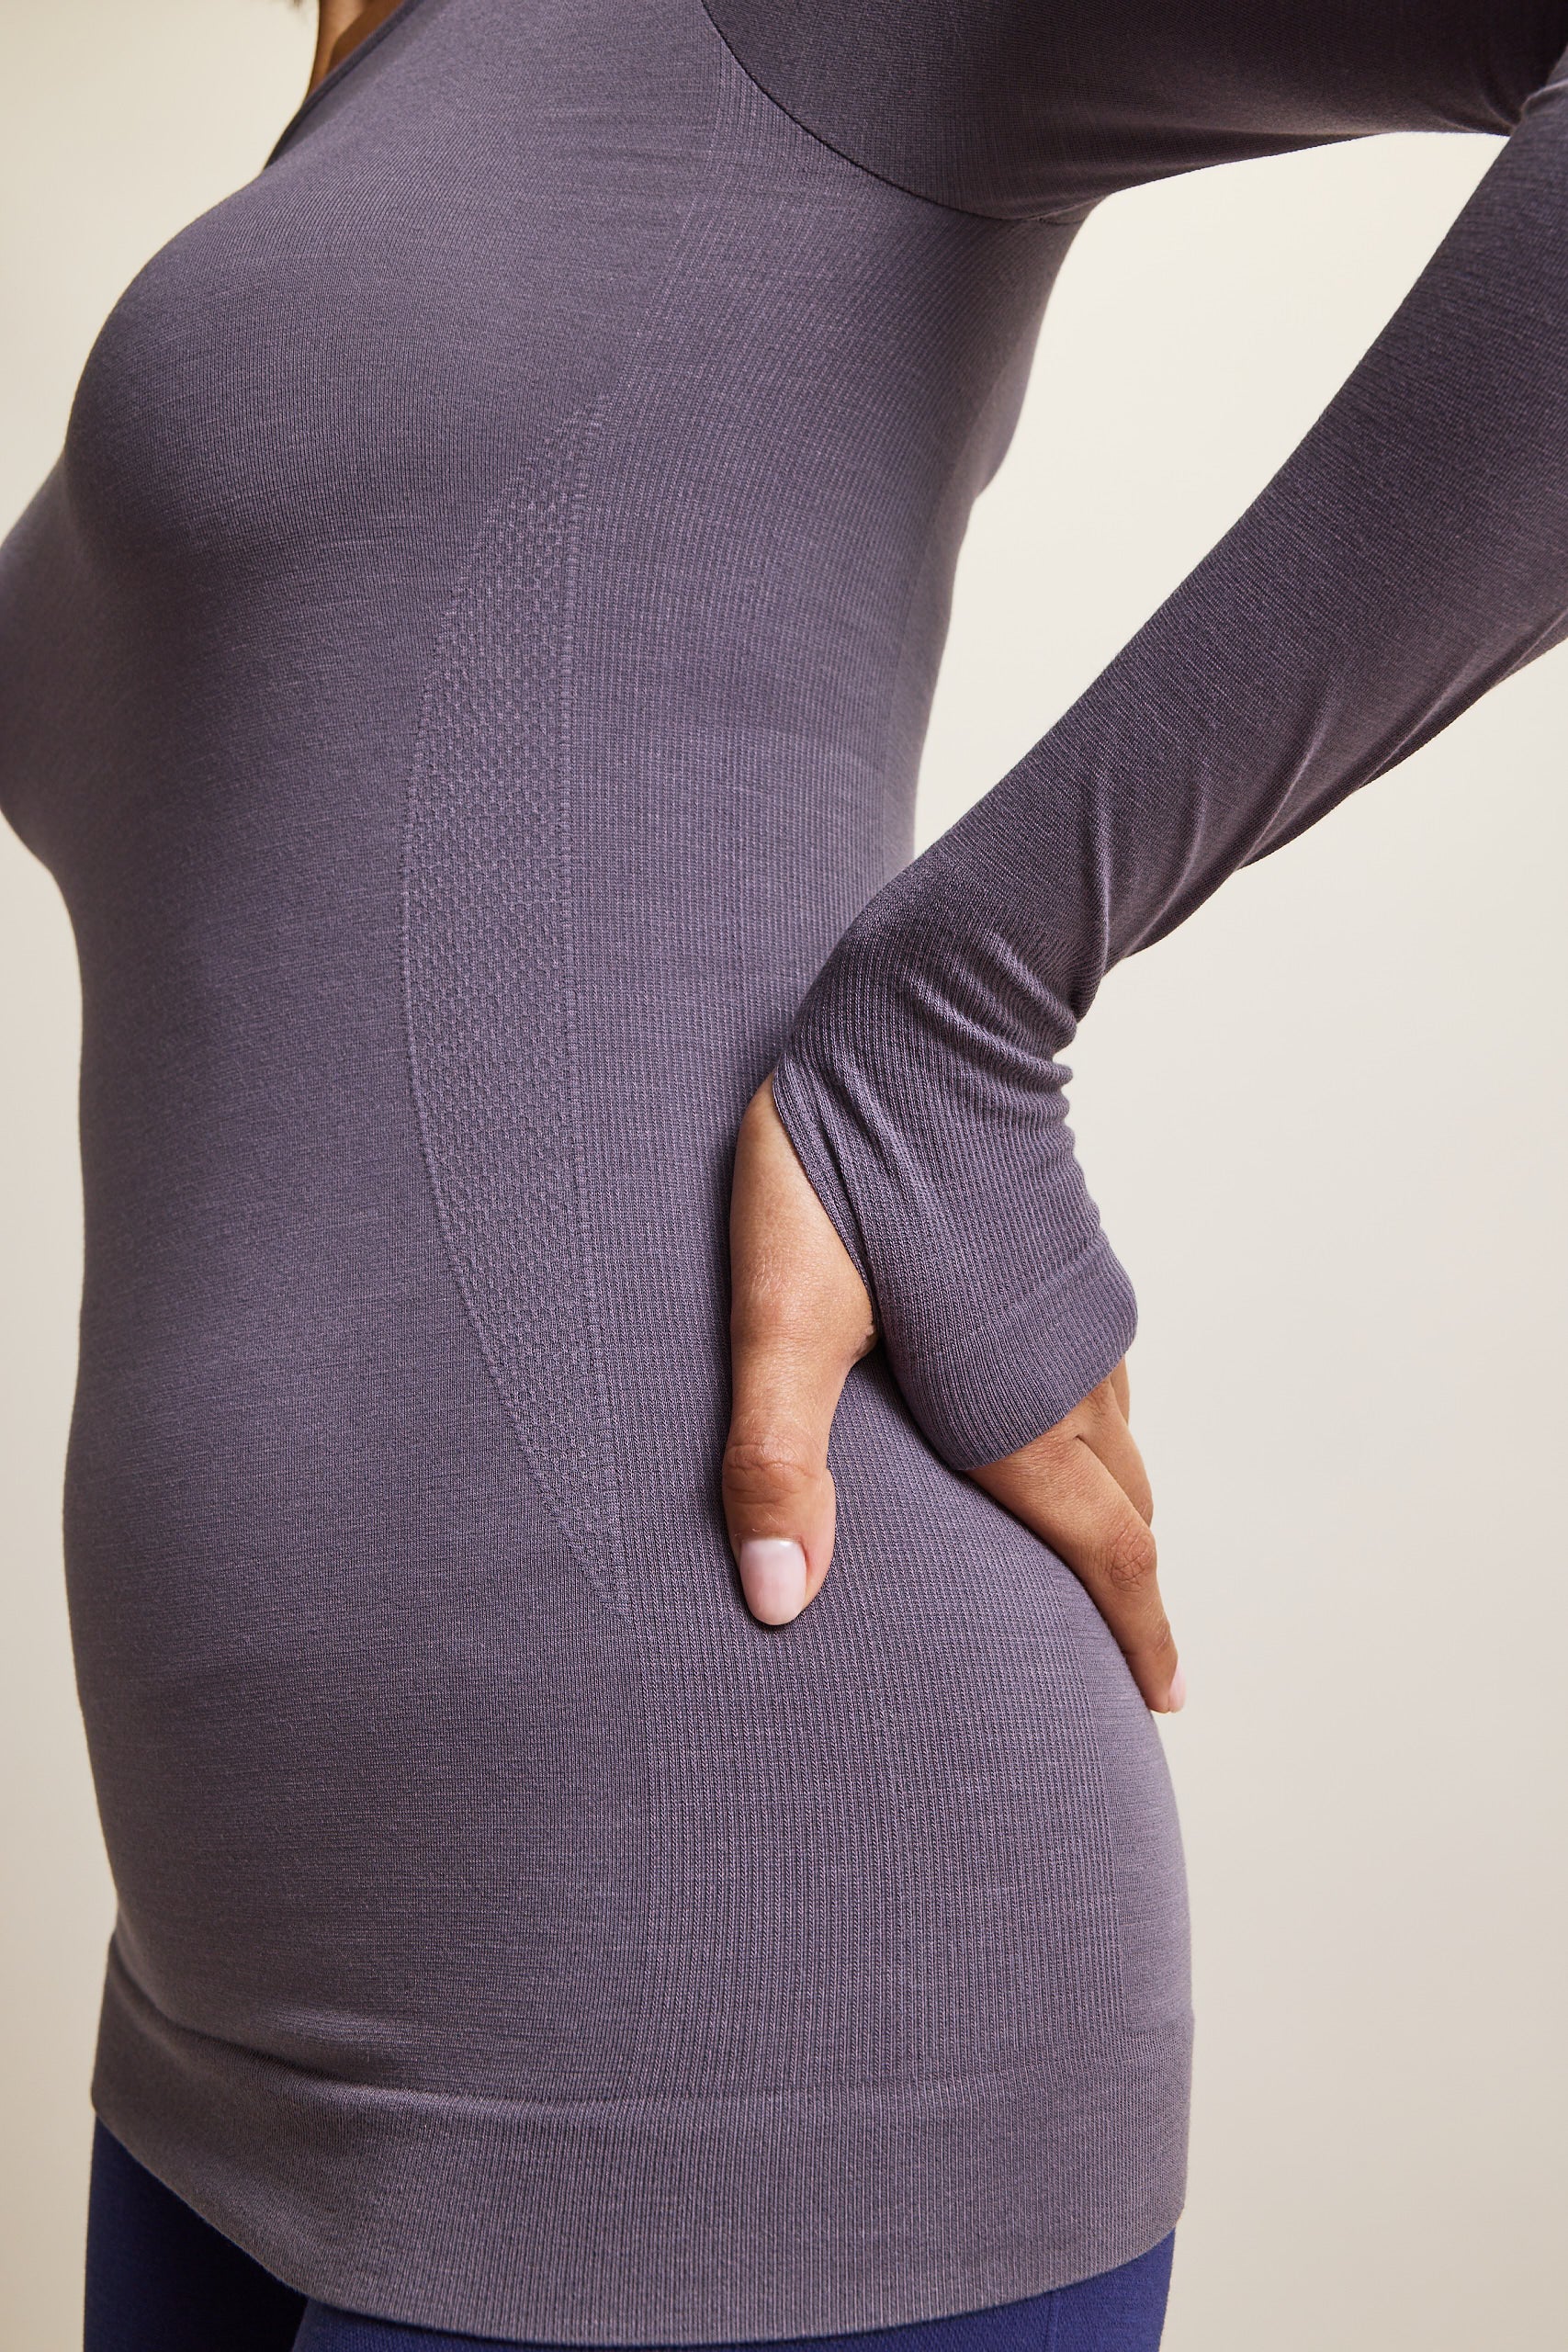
{"x":799,"y":1318}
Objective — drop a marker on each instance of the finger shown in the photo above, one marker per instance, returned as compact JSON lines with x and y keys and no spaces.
{"x":799,"y":1318}
{"x":779,"y":1500}
{"x":1061,"y":1490}
{"x":1101,"y":1423}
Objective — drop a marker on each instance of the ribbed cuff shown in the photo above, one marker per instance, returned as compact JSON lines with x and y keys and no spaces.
{"x":1000,"y":1302}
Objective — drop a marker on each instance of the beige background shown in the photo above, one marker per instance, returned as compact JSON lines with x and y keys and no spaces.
{"x":1325,"y":1124}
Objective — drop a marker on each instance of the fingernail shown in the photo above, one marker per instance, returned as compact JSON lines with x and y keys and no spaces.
{"x":1178,"y":1698}
{"x":773,"y":1570}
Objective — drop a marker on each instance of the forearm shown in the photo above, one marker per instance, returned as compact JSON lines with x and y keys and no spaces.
{"x":1412,"y":551}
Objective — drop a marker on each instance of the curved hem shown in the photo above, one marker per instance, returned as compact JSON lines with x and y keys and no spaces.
{"x":813,"y":2212}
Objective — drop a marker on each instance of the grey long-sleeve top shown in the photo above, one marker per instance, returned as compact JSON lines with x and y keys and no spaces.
{"x":1413,"y":551}
{"x":467,"y":673}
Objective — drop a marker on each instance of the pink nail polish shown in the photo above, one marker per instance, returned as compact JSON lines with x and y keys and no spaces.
{"x":773,"y":1571}
{"x":1178,"y":1698}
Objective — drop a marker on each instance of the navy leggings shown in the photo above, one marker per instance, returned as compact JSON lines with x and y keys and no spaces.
{"x":161,"y":2279}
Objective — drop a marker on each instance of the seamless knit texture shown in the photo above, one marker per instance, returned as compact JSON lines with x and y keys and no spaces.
{"x":467,"y":673}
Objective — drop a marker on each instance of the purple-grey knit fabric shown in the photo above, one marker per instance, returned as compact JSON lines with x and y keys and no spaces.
{"x":467,"y":674}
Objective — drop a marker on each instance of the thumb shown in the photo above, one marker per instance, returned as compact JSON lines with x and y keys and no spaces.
{"x":799,"y":1318}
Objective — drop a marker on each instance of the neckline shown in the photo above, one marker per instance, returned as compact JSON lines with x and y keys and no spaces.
{"x":344,"y":67}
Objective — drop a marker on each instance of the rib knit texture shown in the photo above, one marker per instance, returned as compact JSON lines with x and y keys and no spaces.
{"x":467,"y":673}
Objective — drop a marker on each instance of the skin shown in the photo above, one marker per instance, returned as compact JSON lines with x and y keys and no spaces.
{"x":341,"y":25}
{"x":800,"y":1318}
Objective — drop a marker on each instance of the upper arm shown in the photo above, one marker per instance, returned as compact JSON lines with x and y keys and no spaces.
{"x":1012,"y":109}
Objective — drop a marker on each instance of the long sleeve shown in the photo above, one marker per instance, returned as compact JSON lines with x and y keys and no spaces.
{"x":1412,"y":551}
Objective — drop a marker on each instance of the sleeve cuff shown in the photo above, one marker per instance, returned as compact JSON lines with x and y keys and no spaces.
{"x":992,"y":1336}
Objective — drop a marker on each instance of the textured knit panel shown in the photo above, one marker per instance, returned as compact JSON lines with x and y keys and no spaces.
{"x":493,"y":996}
{"x":467,"y":674}
{"x":462,"y":726}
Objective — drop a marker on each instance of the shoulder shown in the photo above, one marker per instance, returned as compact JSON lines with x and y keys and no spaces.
{"x":1016,"y":108}
{"x":935,"y":98}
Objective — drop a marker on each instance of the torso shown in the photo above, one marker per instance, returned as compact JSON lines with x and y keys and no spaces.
{"x":474,"y":660}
